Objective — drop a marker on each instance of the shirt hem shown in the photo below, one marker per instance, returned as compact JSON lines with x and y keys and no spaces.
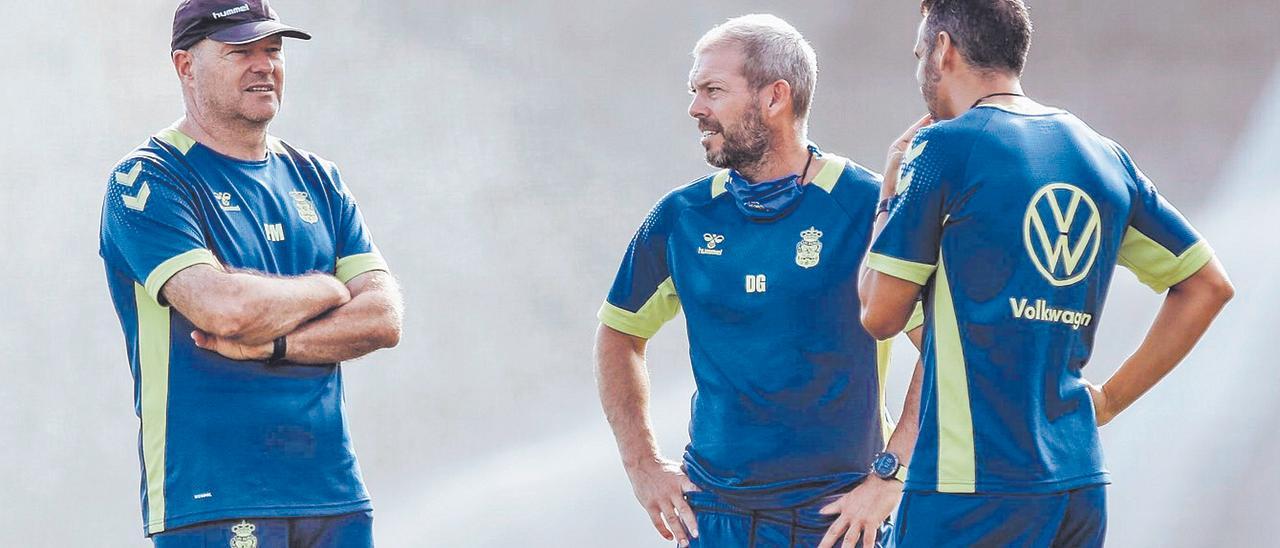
{"x":1010,"y":488}
{"x":246,"y":512}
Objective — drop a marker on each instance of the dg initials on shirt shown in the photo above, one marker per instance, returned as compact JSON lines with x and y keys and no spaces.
{"x":755,"y":283}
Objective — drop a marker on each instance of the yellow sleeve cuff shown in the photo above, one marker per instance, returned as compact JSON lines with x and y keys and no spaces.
{"x":355,"y":265}
{"x":161,"y":273}
{"x":916,"y":273}
{"x":663,"y":305}
{"x":1157,"y":267}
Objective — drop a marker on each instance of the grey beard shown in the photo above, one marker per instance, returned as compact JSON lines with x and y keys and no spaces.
{"x":744,"y":146}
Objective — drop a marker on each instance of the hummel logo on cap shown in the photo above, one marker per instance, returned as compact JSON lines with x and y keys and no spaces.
{"x":227,"y":21}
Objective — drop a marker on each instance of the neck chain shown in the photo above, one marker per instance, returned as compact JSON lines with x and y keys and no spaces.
{"x":806,"y":167}
{"x":985,"y":97}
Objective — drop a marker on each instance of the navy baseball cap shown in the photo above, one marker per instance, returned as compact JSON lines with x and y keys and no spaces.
{"x":227,"y":21}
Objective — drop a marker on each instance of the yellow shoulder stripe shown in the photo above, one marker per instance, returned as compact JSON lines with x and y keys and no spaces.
{"x":178,"y":139}
{"x":717,"y":182}
{"x":829,"y":175}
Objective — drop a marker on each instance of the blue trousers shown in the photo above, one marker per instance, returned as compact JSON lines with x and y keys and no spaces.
{"x":353,"y":530}
{"x":722,"y":525}
{"x":1070,"y":519}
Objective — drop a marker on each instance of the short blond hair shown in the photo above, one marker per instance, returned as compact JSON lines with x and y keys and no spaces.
{"x":774,"y":50}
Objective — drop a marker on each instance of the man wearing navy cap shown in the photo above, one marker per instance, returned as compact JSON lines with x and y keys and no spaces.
{"x":242,"y":274}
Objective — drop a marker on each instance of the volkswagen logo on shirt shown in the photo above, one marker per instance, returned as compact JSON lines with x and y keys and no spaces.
{"x":1062,"y":231}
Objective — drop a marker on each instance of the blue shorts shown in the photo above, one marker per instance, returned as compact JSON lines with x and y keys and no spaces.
{"x":354,"y":530}
{"x":1075,"y":519}
{"x":722,"y":525}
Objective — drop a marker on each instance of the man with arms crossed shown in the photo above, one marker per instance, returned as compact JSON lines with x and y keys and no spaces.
{"x":763,"y":256}
{"x":242,"y":273}
{"x":1011,"y":216}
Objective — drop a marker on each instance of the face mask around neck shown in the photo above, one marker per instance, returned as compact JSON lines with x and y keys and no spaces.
{"x":765,"y":201}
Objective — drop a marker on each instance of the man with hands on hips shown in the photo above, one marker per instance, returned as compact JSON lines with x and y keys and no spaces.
{"x":1007,"y":219}
{"x":763,"y":258}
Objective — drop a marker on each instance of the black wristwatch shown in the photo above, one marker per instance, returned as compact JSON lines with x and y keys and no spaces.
{"x":886,"y":466}
{"x":279,"y":348}
{"x":885,"y":205}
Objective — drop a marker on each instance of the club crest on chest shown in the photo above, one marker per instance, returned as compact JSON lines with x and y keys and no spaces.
{"x":306,"y":209}
{"x":809,"y":248}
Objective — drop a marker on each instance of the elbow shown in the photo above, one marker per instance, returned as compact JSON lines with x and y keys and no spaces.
{"x":879,"y":326}
{"x":1224,"y":291}
{"x":1210,"y":286}
{"x":229,"y":320}
{"x":390,"y":337}
{"x":392,"y":324}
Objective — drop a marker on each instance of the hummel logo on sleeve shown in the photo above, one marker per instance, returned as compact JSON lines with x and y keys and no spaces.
{"x":127,"y":179}
{"x":139,"y":202}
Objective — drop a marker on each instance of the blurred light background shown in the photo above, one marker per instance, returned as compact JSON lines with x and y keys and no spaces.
{"x":504,"y":153}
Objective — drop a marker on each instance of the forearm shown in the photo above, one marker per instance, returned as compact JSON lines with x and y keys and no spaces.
{"x":369,"y":322}
{"x":865,"y":281}
{"x":886,"y":301}
{"x":903,"y":441}
{"x":623,"y":383}
{"x":1187,"y":312}
{"x":272,"y":307}
{"x":250,"y":307}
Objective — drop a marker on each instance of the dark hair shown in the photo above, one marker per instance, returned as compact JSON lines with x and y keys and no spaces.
{"x":992,"y":35}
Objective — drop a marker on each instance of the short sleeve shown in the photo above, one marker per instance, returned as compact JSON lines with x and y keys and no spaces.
{"x":643,"y":297}
{"x":356,"y":251}
{"x":1160,"y":246}
{"x":150,"y":229}
{"x":907,"y":248}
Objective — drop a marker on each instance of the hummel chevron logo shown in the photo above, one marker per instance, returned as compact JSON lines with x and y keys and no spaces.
{"x":914,"y":152}
{"x":139,"y":202}
{"x":127,"y":179}
{"x":904,"y":183}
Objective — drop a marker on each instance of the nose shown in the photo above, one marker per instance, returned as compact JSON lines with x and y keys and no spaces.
{"x":263,"y":63}
{"x":698,"y":108}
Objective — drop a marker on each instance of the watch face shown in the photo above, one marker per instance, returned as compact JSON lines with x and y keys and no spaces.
{"x":885,"y":465}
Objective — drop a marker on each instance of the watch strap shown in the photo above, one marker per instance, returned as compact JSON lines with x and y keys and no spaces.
{"x":885,"y":204}
{"x":279,"y":348}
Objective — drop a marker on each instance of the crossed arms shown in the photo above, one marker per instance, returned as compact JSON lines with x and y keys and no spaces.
{"x":239,"y":314}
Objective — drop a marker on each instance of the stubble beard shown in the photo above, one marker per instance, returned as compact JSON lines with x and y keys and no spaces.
{"x":229,"y":115}
{"x":929,"y":90}
{"x":744,"y":145}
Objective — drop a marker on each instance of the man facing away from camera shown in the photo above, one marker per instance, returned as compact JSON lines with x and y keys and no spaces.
{"x":242,"y":274}
{"x":763,"y":257}
{"x":1009,"y":218}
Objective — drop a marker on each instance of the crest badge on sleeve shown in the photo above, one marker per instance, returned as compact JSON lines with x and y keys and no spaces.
{"x":306,"y":209}
{"x":809,"y":248}
{"x":244,"y":537}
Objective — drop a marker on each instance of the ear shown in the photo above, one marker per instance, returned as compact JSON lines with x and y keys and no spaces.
{"x":776,"y":97}
{"x":945,"y":53}
{"x":183,"y":61}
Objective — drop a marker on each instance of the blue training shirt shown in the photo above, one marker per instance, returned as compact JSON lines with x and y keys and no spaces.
{"x":1014,"y":222}
{"x":219,"y":438}
{"x":789,"y":397}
